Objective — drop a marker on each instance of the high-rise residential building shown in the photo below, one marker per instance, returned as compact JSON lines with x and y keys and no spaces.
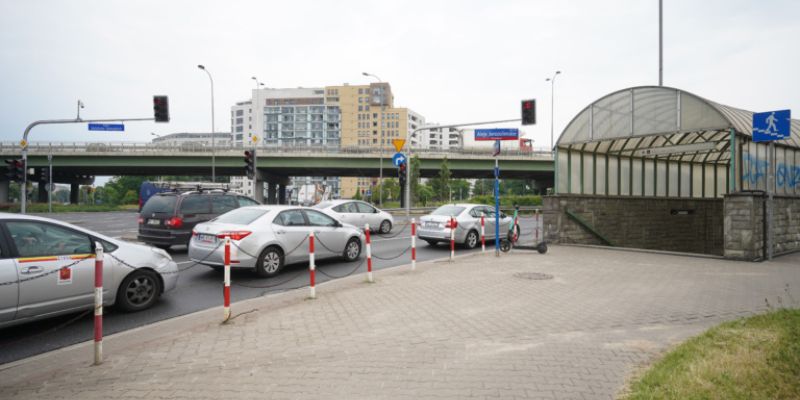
{"x":444,"y":139}
{"x":333,"y":116}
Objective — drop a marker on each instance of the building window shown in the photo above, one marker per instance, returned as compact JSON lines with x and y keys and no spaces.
{"x":239,"y":112}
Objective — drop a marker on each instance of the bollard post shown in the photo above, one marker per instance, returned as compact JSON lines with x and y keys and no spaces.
{"x":452,"y":238}
{"x":413,"y":244}
{"x":311,"y":266}
{"x":98,"y":304}
{"x":226,"y":291}
{"x":483,"y":234}
{"x":369,"y":254}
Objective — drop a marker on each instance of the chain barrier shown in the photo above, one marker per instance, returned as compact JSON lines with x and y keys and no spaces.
{"x":53,"y":272}
{"x":351,"y":272}
{"x":293,"y":277}
{"x":194,"y":264}
{"x":238,"y":248}
{"x":393,"y":257}
{"x":398,"y":233}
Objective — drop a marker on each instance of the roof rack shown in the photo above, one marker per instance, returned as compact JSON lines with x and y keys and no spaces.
{"x":181,"y":187}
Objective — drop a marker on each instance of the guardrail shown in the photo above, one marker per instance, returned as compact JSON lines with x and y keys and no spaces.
{"x":138,"y":148}
{"x":426,"y":210}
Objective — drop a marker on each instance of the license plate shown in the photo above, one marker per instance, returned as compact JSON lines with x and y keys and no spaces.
{"x":431,"y":224}
{"x":153,"y":222}
{"x":206,"y":238}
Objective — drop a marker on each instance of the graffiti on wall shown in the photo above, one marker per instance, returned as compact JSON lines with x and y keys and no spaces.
{"x":755,"y":172}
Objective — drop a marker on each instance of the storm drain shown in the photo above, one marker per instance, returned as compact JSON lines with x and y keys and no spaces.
{"x":534,"y":276}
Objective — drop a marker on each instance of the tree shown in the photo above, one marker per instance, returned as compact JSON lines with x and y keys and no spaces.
{"x":391,"y":189}
{"x":484,"y":186}
{"x":460,"y":188}
{"x":357,"y":196}
{"x":441,"y":184}
{"x":425,"y":194}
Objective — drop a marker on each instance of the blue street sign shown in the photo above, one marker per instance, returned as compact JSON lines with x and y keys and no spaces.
{"x":369,"y":192}
{"x":771,"y":125}
{"x":497,"y":134}
{"x":398,"y":159}
{"x":107,"y":127}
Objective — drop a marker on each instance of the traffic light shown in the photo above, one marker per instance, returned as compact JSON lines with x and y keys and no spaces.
{"x":161,"y":108}
{"x":528,"y":112}
{"x":45,"y":175}
{"x":401,"y":174}
{"x":250,"y":163}
{"x":15,"y":170}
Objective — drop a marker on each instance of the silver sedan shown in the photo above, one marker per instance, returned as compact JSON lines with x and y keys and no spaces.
{"x":47,"y":269}
{"x":436,"y":227}
{"x":266,"y":238}
{"x":358,"y":213}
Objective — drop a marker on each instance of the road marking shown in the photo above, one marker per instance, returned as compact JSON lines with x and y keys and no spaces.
{"x":184,"y":262}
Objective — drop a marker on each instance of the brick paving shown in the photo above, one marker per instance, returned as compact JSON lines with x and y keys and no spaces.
{"x":470,"y":329}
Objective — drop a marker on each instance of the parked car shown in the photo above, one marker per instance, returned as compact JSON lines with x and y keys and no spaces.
{"x":168,"y":218}
{"x":47,"y":269}
{"x":358,"y":213}
{"x":436,"y":226}
{"x":267,"y":238}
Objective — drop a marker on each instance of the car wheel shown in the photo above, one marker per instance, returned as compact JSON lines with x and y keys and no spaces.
{"x":270,"y":262}
{"x":472,"y":240}
{"x":352,"y":250}
{"x":386,"y":227}
{"x":139,"y":290}
{"x":431,"y":242}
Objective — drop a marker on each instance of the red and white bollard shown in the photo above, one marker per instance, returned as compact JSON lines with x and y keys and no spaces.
{"x":311,"y":266}
{"x":226,"y":291}
{"x":369,"y":254}
{"x":98,"y":304}
{"x":483,"y":233}
{"x":413,"y":244}
{"x":452,"y":238}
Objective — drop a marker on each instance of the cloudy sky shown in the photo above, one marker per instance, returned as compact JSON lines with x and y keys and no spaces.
{"x":452,"y":61}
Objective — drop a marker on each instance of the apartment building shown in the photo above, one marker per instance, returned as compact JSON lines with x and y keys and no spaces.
{"x":444,"y":139}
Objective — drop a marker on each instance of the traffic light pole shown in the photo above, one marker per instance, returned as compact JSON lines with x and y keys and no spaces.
{"x":412,"y":133}
{"x":50,"y":183}
{"x":24,"y":144}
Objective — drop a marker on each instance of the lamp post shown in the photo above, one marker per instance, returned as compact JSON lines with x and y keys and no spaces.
{"x":213,"y":151}
{"x":380,"y":168}
{"x":256,"y":110}
{"x":552,"y":102}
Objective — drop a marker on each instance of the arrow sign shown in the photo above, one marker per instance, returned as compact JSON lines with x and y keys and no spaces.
{"x":398,"y":159}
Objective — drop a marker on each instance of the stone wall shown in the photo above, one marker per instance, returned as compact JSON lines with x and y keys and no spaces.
{"x":673,"y":224}
{"x":744,"y":225}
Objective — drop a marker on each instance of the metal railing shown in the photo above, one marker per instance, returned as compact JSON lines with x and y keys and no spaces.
{"x":186,"y":148}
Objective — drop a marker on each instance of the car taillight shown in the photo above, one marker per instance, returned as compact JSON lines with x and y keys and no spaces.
{"x":175,"y":222}
{"x":451,"y":223}
{"x":141,"y":220}
{"x":234,"y":235}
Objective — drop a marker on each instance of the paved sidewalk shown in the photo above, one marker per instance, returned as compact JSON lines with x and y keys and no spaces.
{"x":476,"y":328}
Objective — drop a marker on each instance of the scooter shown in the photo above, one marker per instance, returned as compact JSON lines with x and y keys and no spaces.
{"x":512,"y":238}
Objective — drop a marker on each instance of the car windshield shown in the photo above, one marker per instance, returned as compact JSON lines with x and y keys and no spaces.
{"x":241,"y":216}
{"x":160,"y":204}
{"x":324,"y":204}
{"x":448,"y":210}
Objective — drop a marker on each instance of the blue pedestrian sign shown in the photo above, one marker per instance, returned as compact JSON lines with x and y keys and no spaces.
{"x":107,"y":127}
{"x":497,"y":134}
{"x":398,"y":159}
{"x":771,"y":125}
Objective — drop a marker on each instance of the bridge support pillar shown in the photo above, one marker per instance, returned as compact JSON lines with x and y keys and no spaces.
{"x":4,"y":192}
{"x":42,"y":192}
{"x":259,"y":194}
{"x":282,"y":193}
{"x":74,"y":191}
{"x":272,"y":193}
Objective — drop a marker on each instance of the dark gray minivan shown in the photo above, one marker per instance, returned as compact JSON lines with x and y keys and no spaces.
{"x":168,"y":218}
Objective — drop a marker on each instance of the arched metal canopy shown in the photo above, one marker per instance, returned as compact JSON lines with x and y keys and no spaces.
{"x":633,"y":121}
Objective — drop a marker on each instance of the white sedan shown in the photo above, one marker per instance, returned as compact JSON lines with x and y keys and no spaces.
{"x":358,"y":213}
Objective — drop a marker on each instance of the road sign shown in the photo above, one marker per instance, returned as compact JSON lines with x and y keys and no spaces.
{"x":496,"y":148}
{"x":398,"y":144}
{"x":107,"y":127}
{"x":369,"y":192}
{"x":398,"y":158}
{"x":254,"y":138}
{"x":771,"y":125}
{"x":497,"y":134}
{"x":23,"y":143}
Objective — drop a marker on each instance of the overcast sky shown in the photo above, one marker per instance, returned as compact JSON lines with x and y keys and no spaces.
{"x":452,"y":61}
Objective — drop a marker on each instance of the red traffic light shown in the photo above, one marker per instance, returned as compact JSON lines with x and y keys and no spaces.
{"x":528,"y":112}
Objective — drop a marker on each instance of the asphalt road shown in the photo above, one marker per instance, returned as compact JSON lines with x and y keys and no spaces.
{"x":200,"y":287}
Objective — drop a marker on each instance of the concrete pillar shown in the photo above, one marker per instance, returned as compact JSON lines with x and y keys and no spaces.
{"x":259,"y":194}
{"x":272,"y":193}
{"x":42,"y":192}
{"x":74,"y":191}
{"x":4,"y":192}
{"x":282,"y":193}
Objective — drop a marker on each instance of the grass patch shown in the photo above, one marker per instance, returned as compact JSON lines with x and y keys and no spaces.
{"x":750,"y":358}
{"x":62,"y":208}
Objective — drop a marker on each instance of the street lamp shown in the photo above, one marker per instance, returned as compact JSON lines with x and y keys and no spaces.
{"x":383,"y":105}
{"x":552,"y":91}
{"x":213,"y":153}
{"x":257,"y":111}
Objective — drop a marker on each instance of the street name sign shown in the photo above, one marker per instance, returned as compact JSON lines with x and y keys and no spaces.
{"x":107,"y":127}
{"x":497,"y":134}
{"x":771,"y":125}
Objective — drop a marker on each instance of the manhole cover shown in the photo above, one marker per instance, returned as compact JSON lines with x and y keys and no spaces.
{"x":534,"y":276}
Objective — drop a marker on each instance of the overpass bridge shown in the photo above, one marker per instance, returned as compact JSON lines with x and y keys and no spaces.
{"x":78,"y":163}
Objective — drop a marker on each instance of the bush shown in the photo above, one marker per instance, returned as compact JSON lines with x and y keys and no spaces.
{"x":508,"y":201}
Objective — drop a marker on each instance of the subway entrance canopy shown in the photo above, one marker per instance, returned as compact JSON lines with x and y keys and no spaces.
{"x":661,"y":168}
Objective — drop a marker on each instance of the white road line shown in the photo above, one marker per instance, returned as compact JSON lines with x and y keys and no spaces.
{"x":184,"y":262}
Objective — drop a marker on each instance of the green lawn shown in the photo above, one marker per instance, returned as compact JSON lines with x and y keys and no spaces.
{"x":752,"y":358}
